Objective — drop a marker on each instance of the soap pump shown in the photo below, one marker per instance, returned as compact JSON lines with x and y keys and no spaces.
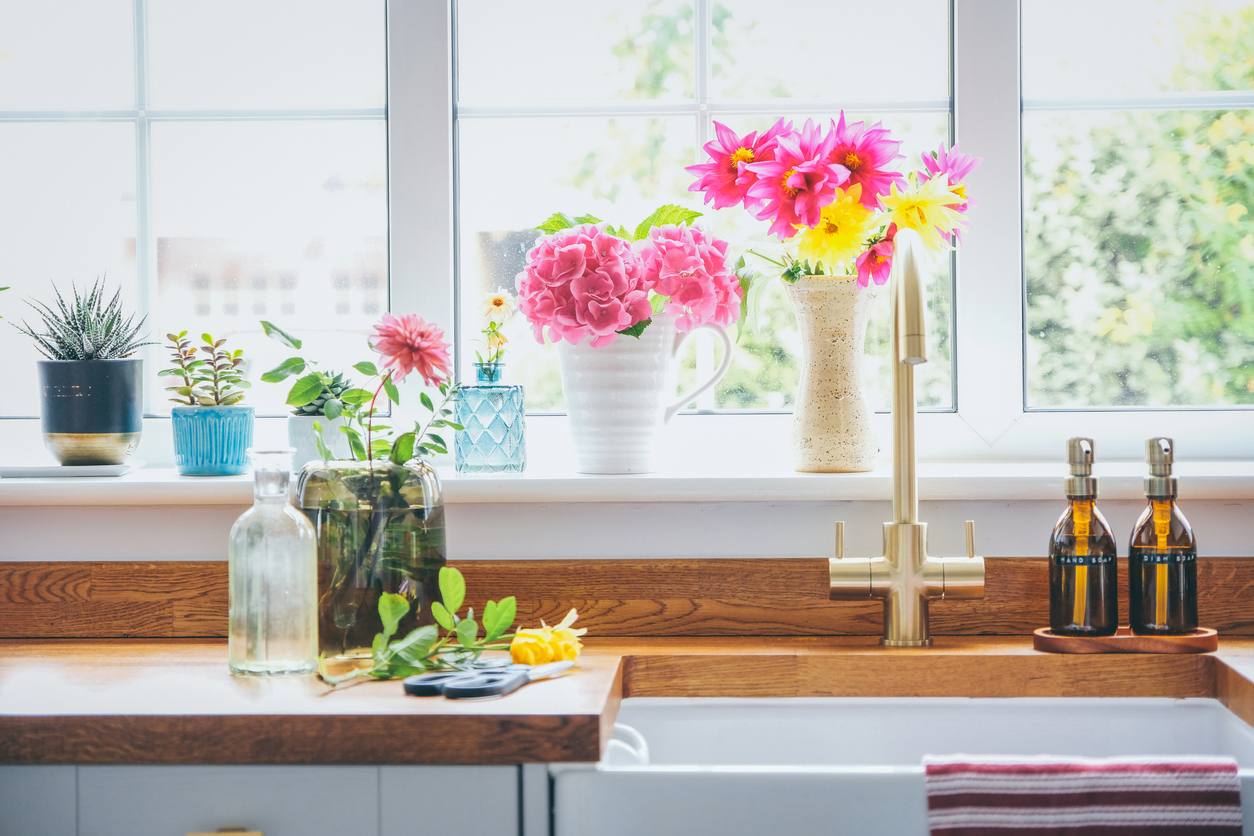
{"x":1083,"y":585}
{"x":1162,"y":556}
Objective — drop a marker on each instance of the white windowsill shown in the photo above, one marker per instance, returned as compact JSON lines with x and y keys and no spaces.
{"x":767,"y":482}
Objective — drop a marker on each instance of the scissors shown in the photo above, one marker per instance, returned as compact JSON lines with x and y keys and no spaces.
{"x":461,"y":685}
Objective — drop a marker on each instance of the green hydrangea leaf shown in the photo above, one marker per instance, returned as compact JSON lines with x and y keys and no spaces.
{"x":663,"y":215}
{"x":637,"y":329}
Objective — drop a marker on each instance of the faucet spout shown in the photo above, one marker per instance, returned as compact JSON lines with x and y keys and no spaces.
{"x":905,"y":577}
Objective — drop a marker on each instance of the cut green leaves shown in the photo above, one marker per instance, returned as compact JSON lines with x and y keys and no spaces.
{"x":274,"y":332}
{"x":452,"y":588}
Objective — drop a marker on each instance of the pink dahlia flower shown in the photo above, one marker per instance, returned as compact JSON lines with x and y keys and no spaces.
{"x":582,"y":283}
{"x":955,"y":166}
{"x":689,"y":267}
{"x":877,"y":261}
{"x":409,"y":343}
{"x":866,"y":152}
{"x":794,"y":187}
{"x":725,"y":179}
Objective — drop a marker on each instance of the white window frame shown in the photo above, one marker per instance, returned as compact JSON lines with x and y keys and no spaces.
{"x":990,"y":421}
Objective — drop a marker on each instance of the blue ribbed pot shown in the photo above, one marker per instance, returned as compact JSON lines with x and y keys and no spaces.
{"x":212,"y":440}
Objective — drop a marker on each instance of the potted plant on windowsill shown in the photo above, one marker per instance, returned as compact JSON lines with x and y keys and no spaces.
{"x":319,"y":407}
{"x":212,"y":429}
{"x":91,"y":389}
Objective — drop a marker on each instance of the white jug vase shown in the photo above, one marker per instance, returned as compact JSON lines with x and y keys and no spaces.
{"x":616,"y":395}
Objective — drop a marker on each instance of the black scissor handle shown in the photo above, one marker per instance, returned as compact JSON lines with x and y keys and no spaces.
{"x":429,"y":684}
{"x":485,"y":684}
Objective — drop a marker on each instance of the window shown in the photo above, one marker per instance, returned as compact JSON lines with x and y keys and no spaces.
{"x":221,"y":163}
{"x":1139,"y":188}
{"x":567,"y":106}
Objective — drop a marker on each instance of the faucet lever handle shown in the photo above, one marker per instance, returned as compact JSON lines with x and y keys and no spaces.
{"x":840,"y":540}
{"x":970,"y":538}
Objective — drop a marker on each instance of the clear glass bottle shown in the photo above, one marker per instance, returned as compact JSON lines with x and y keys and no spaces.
{"x":495,"y":436}
{"x":273,"y":627}
{"x":1083,"y":584}
{"x":1162,"y":556}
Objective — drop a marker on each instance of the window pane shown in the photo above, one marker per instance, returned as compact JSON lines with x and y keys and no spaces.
{"x":1140,"y":258}
{"x":573,"y":50}
{"x":802,"y":49}
{"x":617,"y":169}
{"x":1129,"y":47}
{"x":67,"y":216}
{"x":293,"y":54}
{"x":283,"y":221}
{"x":1139,"y":250}
{"x":67,"y":55}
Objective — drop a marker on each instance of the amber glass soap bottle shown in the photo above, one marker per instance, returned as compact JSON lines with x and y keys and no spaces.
{"x":1083,"y":586}
{"x":1162,"y":557}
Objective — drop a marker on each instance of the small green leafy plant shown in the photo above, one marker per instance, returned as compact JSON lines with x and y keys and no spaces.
{"x":425,"y":650}
{"x":85,"y":329}
{"x":217,"y":379}
{"x":317,"y":393}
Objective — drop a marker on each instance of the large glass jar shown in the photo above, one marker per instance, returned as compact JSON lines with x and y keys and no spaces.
{"x":271,"y":621}
{"x":379,"y":528}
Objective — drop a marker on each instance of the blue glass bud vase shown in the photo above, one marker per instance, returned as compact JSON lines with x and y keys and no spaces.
{"x":495,"y":436}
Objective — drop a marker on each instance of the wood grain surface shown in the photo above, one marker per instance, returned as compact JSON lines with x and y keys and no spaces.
{"x":172,"y":701}
{"x":624,"y":598}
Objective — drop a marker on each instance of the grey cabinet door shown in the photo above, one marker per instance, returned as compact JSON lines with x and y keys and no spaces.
{"x":443,"y":800}
{"x":277,"y":800}
{"x":37,"y":801}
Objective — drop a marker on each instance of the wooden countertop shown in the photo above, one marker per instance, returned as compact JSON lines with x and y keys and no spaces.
{"x":172,"y":701}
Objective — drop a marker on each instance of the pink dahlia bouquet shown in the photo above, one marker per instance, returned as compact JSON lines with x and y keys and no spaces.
{"x":834,"y":196}
{"x":586,"y":280}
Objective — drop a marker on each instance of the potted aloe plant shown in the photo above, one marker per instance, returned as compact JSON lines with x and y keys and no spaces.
{"x":91,"y":389}
{"x":212,"y":429}
{"x":320,"y":403}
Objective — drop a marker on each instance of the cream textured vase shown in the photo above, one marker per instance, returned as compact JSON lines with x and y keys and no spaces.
{"x":618,"y":395}
{"x":831,"y":425}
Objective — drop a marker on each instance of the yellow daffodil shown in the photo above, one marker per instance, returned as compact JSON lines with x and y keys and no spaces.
{"x":498,"y":306}
{"x":842,"y":231}
{"x":547,"y":644}
{"x":925,"y":208}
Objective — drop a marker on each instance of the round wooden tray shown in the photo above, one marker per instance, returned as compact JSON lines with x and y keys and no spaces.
{"x":1204,"y":640}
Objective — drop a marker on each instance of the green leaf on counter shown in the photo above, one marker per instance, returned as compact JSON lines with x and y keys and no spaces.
{"x":442,"y":616}
{"x":392,"y":608}
{"x":467,"y":632}
{"x":452,"y":588}
{"x":414,"y":647}
{"x":498,"y":617}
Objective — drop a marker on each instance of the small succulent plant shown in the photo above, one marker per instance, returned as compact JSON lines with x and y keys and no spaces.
{"x":216,"y":380}
{"x":332,"y":390}
{"x":87,"y":328}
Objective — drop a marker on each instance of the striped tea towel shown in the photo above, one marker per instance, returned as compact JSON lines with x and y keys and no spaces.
{"x":990,"y":795}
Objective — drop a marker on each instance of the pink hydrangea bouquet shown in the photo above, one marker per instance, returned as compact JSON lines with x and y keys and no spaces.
{"x":586,"y":280}
{"x":834,"y":195}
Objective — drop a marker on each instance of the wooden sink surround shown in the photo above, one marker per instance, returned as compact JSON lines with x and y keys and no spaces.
{"x":110,"y":663}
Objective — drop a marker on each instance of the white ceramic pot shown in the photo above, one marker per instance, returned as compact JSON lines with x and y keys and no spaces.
{"x":831,"y":424}
{"x":617,"y":395}
{"x":300,"y":435}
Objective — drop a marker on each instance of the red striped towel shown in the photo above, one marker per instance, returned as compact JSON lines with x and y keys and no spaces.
{"x":1052,"y":796}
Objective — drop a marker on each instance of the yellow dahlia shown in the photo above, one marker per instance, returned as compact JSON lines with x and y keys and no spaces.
{"x":842,"y":230}
{"x":927,"y":209}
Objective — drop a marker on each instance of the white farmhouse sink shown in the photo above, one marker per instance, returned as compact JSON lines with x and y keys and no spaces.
{"x":850,"y":766}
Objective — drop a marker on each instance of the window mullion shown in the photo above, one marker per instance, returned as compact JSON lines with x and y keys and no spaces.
{"x":145,"y":241}
{"x":989,"y":301}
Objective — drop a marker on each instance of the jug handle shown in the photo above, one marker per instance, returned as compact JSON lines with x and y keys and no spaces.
{"x":715,"y":378}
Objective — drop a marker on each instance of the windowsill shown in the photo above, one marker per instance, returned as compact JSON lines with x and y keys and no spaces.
{"x":739,"y":481}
